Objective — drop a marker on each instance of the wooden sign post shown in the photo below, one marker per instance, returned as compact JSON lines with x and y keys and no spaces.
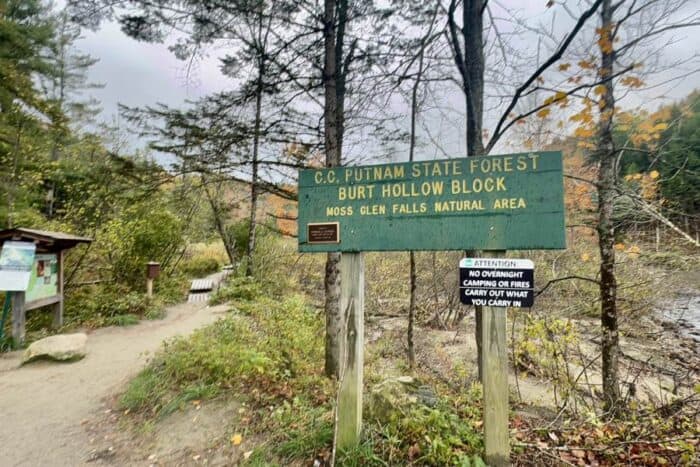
{"x":496,"y":283}
{"x":152,"y":273}
{"x":492,"y":203}
{"x":18,"y":317}
{"x":352,"y":301}
{"x":494,"y":364}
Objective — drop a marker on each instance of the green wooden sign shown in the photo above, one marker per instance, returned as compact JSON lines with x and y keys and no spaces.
{"x":505,"y":202}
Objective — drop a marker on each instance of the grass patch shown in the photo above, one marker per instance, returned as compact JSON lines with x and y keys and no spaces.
{"x":200,"y":266}
{"x":447,"y":434}
{"x":672,"y":260}
{"x":274,"y":350}
{"x":127,"y":319}
{"x":306,"y":437}
{"x":157,"y":311}
{"x":142,"y":390}
{"x":190,"y":393}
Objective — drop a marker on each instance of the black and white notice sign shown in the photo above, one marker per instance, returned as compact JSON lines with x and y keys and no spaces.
{"x":498,"y":282}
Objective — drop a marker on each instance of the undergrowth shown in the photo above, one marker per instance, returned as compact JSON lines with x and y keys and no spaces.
{"x":448,"y":433}
{"x":275,"y":347}
{"x":642,"y":435}
{"x":109,"y":305}
{"x":238,"y":288}
{"x":268,"y":353}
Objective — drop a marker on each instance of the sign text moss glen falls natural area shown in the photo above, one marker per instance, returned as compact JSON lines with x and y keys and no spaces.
{"x":509,"y":202}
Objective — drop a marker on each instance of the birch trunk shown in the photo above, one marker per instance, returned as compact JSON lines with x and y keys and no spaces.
{"x":606,"y":227}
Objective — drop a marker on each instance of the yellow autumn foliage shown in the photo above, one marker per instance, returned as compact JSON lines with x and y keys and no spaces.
{"x":544,"y":112}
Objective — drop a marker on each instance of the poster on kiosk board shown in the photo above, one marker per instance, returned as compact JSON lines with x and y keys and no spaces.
{"x":16,"y":264}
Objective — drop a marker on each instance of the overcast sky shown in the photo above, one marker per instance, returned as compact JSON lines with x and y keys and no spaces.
{"x":139,"y":74}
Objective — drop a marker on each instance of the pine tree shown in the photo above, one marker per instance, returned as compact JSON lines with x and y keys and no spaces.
{"x":64,"y":89}
{"x":26,"y":32}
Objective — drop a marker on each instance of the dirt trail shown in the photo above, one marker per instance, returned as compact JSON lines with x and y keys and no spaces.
{"x":43,"y":405}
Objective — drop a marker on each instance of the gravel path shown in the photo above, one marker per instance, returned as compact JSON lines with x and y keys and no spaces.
{"x":44,"y":406}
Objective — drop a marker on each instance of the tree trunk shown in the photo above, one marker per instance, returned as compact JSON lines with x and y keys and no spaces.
{"x":473,"y":82}
{"x":411,"y":310}
{"x":606,"y":228}
{"x":15,"y":177}
{"x":58,"y":129}
{"x":219,"y":223}
{"x":254,"y":177}
{"x":334,"y":321}
{"x":412,"y":256}
{"x":474,"y":71}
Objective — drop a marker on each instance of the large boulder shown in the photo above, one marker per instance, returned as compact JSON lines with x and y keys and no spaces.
{"x":62,"y":347}
{"x":392,"y":397}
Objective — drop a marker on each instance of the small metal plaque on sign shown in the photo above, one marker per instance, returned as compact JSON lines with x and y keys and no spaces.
{"x":325,"y":232}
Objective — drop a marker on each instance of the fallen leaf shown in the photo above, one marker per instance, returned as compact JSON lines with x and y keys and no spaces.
{"x":247,"y":454}
{"x":413,"y":451}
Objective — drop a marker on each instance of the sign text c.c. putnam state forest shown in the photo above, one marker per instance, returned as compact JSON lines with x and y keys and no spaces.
{"x":506,"y":202}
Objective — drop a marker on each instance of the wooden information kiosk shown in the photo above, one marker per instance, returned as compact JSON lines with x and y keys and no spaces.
{"x":31,"y":272}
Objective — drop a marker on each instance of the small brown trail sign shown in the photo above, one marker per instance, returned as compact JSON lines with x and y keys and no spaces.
{"x":494,"y":203}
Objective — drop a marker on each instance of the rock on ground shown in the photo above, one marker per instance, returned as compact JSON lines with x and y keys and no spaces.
{"x":62,"y":347}
{"x":394,"y":396}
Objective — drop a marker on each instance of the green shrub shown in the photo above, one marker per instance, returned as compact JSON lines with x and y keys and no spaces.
{"x":271,"y":353}
{"x":143,"y":233}
{"x":238,"y":232}
{"x":104,"y":305}
{"x":6,"y":343}
{"x":171,"y":288}
{"x":237,"y":288}
{"x":199,"y":266}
